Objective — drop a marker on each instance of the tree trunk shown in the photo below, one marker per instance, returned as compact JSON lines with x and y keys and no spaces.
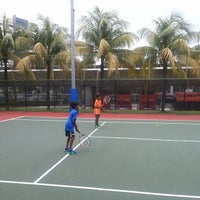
{"x":164,"y":87}
{"x":6,"y":84}
{"x":48,"y":86}
{"x":101,"y":75}
{"x":102,"y":71}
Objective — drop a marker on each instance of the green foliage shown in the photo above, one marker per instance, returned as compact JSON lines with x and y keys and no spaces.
{"x":106,"y":33}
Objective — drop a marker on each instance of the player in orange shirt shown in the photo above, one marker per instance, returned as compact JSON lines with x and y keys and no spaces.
{"x":97,"y":109}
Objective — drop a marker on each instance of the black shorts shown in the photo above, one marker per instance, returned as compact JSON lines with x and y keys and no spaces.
{"x":97,"y":115}
{"x":69,"y":133}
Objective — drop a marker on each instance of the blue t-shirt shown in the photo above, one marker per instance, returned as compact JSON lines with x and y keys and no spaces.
{"x":69,"y":123}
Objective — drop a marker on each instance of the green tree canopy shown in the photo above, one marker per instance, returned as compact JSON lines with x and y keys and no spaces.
{"x":106,"y":34}
{"x":170,"y":41}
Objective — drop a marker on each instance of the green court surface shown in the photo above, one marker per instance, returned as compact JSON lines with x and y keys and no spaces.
{"x":129,"y":160}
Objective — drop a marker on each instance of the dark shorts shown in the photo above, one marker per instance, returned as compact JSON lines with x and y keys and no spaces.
{"x":97,"y":115}
{"x":69,"y":134}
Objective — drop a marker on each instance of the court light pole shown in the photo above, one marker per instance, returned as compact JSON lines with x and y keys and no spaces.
{"x":73,"y":90}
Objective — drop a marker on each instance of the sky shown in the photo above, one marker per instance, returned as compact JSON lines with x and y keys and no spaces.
{"x":138,"y":13}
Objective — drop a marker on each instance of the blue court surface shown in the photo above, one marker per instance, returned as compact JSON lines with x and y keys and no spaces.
{"x":128,"y":159}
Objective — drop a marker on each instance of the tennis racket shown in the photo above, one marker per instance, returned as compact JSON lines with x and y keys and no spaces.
{"x":84,"y":140}
{"x":106,"y":99}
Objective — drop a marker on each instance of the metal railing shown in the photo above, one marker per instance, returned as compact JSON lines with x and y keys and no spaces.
{"x":35,"y":93}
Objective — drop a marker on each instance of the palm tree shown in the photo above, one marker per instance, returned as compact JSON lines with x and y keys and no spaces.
{"x":50,"y":40}
{"x":105,"y":34}
{"x":24,"y":41}
{"x":6,"y":50}
{"x":170,"y":42}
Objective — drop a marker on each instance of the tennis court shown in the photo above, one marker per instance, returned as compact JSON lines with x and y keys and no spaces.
{"x":128,"y":159}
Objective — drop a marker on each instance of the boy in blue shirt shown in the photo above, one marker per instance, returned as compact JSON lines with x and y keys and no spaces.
{"x":70,"y":125}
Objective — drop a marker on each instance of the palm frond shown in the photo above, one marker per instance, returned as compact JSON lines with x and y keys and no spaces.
{"x":194,"y":66}
{"x":63,"y":59}
{"x":104,"y":48}
{"x":113,"y":63}
{"x":40,"y":50}
{"x":23,"y":43}
{"x":167,"y":56}
{"x":180,"y":46}
{"x":7,"y":43}
{"x":26,"y":63}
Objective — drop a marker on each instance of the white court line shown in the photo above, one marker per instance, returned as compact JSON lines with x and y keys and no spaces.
{"x":11,"y":119}
{"x":157,"y":122}
{"x":193,"y":123}
{"x":146,"y":139}
{"x":61,"y":160}
{"x":103,"y":189}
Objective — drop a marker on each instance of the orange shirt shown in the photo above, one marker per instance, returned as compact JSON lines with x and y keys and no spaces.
{"x":97,"y":107}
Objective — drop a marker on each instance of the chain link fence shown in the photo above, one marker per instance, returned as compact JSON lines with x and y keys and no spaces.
{"x":181,"y":94}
